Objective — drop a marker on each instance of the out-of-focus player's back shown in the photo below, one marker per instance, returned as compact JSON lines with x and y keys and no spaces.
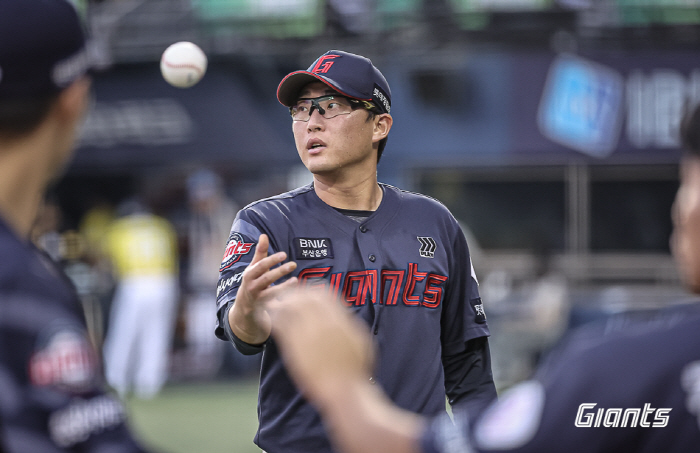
{"x":52,"y":393}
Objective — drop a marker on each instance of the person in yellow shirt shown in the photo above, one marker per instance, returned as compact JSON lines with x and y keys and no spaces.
{"x":142,"y":248}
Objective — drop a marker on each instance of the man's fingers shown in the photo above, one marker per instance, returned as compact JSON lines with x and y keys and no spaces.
{"x":261,"y":249}
{"x":262,"y":276}
{"x":255,"y":270}
{"x":276,"y":291}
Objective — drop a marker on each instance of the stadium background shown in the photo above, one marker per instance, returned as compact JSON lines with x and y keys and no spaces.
{"x":548,"y":127}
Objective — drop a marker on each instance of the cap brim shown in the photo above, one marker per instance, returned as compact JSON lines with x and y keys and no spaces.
{"x":289,"y":88}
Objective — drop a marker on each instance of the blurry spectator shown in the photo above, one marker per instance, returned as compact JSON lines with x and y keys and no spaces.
{"x":46,"y":230}
{"x":351,"y":17}
{"x":94,"y":262}
{"x":439,"y":16}
{"x":211,"y":215}
{"x":87,"y":281}
{"x":143,"y":250}
{"x":93,"y":227}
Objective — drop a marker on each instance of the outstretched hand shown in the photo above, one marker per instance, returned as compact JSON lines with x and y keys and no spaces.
{"x":248,"y":318}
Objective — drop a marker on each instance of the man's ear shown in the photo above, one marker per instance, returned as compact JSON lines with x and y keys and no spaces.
{"x":73,"y":102}
{"x":382,"y":126}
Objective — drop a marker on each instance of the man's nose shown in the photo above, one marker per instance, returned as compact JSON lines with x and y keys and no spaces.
{"x":315,"y":118}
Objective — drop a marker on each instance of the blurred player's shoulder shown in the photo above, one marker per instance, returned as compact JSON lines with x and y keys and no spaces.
{"x":618,"y":340}
{"x":25,"y":271}
{"x":638,"y":322}
{"x":18,"y":263}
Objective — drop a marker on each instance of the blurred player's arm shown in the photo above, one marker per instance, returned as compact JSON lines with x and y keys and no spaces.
{"x":334,"y":374}
{"x":247,"y":318}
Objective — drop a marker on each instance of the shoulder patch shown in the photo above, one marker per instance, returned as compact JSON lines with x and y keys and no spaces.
{"x":479,"y":313}
{"x":235,"y":249}
{"x":65,"y":360}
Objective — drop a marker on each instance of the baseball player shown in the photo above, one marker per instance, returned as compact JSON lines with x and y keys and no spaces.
{"x":52,"y":393}
{"x":142,"y":247}
{"x":397,"y":259}
{"x":629,"y":384}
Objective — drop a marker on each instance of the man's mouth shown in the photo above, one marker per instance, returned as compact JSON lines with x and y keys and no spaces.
{"x":314,"y":145}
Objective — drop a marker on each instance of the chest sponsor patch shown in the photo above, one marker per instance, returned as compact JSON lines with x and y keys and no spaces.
{"x":235,"y":249}
{"x":312,"y":248}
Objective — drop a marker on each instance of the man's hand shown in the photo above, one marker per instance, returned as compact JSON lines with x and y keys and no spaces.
{"x":248,"y":318}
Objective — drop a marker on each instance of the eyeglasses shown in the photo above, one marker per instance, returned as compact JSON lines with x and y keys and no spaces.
{"x":328,"y":106}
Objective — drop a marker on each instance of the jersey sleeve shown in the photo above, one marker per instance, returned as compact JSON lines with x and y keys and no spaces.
{"x":466,"y":356}
{"x":52,"y":392}
{"x":238,"y":254}
{"x":463,"y":317}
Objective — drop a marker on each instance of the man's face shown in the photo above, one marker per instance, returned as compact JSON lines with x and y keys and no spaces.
{"x":685,"y":241}
{"x":341,"y":143}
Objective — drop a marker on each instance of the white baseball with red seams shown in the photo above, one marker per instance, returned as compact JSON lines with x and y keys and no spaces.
{"x":183,"y":64}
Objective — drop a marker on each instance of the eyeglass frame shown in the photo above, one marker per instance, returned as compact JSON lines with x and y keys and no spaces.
{"x":355,"y":104}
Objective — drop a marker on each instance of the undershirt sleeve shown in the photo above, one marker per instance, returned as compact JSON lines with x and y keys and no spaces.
{"x":242,"y":347}
{"x":468,"y":377}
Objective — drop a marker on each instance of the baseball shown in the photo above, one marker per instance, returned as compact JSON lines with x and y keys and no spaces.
{"x":183,"y":64}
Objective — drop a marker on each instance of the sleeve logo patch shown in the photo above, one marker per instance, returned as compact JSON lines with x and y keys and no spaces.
{"x":66,"y":361}
{"x":312,"y":248}
{"x":478,"y":306}
{"x":235,"y":249}
{"x":427,"y":247}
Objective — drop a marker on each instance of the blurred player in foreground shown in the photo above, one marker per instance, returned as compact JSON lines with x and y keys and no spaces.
{"x":52,"y":396}
{"x":631,"y":384}
{"x":399,"y":261}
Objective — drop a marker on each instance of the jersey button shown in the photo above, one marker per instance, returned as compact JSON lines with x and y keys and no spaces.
{"x":363,"y":228}
{"x":372,"y":258}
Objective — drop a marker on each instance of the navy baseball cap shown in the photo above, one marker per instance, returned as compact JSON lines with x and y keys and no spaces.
{"x":42,"y":48}
{"x":351,"y":75}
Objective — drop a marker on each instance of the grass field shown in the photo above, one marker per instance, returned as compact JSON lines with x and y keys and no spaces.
{"x":198,"y":418}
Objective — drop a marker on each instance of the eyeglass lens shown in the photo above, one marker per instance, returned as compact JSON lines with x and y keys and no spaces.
{"x":327,"y":106}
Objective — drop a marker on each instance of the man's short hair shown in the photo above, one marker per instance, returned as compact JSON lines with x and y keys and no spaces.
{"x":21,"y":117}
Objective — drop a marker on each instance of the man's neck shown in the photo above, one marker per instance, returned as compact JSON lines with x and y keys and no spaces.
{"x":22,"y":187}
{"x":359,"y":194}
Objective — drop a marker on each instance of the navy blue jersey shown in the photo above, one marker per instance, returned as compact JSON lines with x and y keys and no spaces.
{"x":51,"y":386}
{"x":405,"y":270}
{"x":630,"y":384}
